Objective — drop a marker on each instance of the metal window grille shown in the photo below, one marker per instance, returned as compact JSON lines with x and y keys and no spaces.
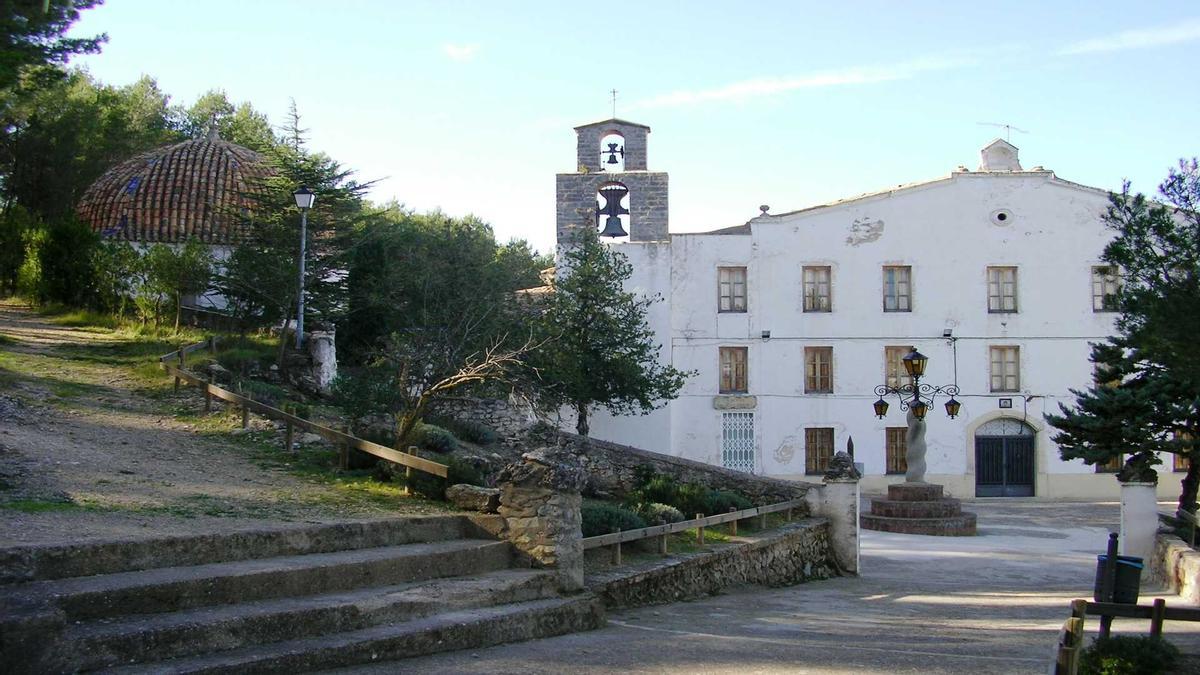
{"x":1005,"y":369}
{"x":1104,"y":289}
{"x":897,"y":449}
{"x":817,"y":289}
{"x":1002,"y":289}
{"x":897,"y":289}
{"x":818,"y":364}
{"x":733,"y":370}
{"x":818,"y":450}
{"x":895,"y":374}
{"x":737,"y":441}
{"x":731,"y":289}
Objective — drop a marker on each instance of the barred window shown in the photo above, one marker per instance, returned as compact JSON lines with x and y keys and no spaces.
{"x":818,"y":370}
{"x":1111,"y":466}
{"x":731,"y":289}
{"x":895,"y":374}
{"x":1002,"y":289}
{"x":1006,"y":368}
{"x":897,"y":288}
{"x":1104,"y":288}
{"x":818,"y":450}
{"x":733,"y":370}
{"x":737,"y":441}
{"x":897,"y":449}
{"x":816,"y":289}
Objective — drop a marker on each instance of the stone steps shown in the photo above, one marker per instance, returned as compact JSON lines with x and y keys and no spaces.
{"x":195,"y":632}
{"x":949,"y":526}
{"x":940,"y":508}
{"x":449,"y":631}
{"x":285,"y":599}
{"x":918,"y":508}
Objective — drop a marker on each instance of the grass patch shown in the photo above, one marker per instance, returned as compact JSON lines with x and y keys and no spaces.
{"x":45,"y":506}
{"x":7,"y":339}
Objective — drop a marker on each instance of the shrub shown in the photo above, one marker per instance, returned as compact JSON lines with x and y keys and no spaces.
{"x":241,"y":359}
{"x":432,"y":437}
{"x":658,"y":489}
{"x":659,"y":514}
{"x":301,"y":410}
{"x":691,"y":499}
{"x":604,"y":517}
{"x":467,"y":430}
{"x":432,"y":487}
{"x":720,"y":501}
{"x":264,"y":392}
{"x":1128,"y":655}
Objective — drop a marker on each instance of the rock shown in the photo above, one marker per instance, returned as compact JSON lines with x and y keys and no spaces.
{"x":217,"y":372}
{"x":474,"y":498}
{"x":841,"y":466}
{"x":309,"y":439}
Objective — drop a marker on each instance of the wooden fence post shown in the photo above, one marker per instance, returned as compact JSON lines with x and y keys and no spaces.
{"x":662,"y":545}
{"x":245,"y":417}
{"x":762,"y":522}
{"x":616,"y":549}
{"x":290,"y":438}
{"x":412,"y":450}
{"x":207,"y":397}
{"x":700,"y":530}
{"x":1157,"y":614}
{"x":733,"y":523}
{"x":789,"y":514}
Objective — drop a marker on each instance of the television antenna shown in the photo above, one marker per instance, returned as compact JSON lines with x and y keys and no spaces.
{"x":1008,"y":129}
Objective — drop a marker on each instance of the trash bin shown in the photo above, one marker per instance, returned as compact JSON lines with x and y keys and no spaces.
{"x":1129,"y":579}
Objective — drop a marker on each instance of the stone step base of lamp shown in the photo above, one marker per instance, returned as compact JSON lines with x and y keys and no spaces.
{"x":918,"y":508}
{"x":953,"y":526}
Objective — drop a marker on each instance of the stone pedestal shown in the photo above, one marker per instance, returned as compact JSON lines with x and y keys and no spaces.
{"x":540,"y":504}
{"x":919,"y":508}
{"x":1139,"y":518}
{"x":837,"y":501}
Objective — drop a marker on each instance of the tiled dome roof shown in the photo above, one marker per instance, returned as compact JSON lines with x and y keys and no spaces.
{"x":187,"y":190}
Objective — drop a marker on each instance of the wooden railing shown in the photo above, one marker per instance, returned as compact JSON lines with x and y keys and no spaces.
{"x":174,"y":364}
{"x":1070,"y":639}
{"x":698,"y":523}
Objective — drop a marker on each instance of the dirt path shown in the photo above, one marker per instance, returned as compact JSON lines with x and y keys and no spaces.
{"x":95,"y":445}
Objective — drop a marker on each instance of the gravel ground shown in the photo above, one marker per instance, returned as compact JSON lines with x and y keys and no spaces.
{"x":92,"y":448}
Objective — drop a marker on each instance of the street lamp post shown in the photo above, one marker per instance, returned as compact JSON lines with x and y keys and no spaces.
{"x":916,"y":398}
{"x":304,"y":201}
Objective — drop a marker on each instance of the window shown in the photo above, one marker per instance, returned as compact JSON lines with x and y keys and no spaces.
{"x":897,"y":288}
{"x":897,"y":449}
{"x":1111,"y":466}
{"x":731,"y":289}
{"x":737,"y":441}
{"x":733,"y":370}
{"x":1104,"y":289}
{"x":818,"y":450}
{"x":894,"y":373}
{"x":818,"y":370}
{"x":1181,"y":463}
{"x":1002,"y":289}
{"x":816,"y":289}
{"x":1006,"y":369}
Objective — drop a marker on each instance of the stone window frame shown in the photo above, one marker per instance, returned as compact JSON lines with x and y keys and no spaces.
{"x":895,"y":443}
{"x":733,"y":370}
{"x":729,"y":299}
{"x":817,"y":283}
{"x":1002,"y":289}
{"x":818,"y":449}
{"x":1106,"y":284}
{"x":894,"y":373}
{"x":818,"y":370}
{"x":900,"y":294}
{"x":1000,"y":379}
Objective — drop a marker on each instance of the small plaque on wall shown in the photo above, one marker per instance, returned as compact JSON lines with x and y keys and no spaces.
{"x":735,"y":402}
{"x":1006,"y":403}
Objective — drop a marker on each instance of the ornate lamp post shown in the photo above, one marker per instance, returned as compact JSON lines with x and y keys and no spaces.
{"x":916,"y":399}
{"x":304,"y":201}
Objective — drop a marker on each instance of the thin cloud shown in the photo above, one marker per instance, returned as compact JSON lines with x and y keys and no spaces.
{"x":770,"y":86}
{"x":1143,"y":38}
{"x":460,"y":53}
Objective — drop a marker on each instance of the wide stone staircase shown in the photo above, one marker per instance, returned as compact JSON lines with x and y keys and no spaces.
{"x":291,"y":599}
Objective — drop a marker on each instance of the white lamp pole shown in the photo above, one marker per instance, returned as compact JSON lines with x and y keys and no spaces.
{"x":304,"y":201}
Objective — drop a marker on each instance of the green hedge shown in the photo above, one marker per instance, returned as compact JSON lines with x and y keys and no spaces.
{"x":1128,"y":655}
{"x":604,"y":518}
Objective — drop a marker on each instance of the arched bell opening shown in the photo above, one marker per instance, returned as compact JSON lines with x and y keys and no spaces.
{"x":612,"y":152}
{"x":612,"y":210}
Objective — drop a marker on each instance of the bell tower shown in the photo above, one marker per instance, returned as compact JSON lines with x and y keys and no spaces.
{"x":611,"y":189}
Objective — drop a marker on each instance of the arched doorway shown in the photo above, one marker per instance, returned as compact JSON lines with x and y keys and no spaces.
{"x":1004,"y":458}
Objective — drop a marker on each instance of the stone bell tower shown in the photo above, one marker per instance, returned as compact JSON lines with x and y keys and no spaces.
{"x":611,"y":189}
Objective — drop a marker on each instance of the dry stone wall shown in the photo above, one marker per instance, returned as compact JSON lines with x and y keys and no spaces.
{"x":797,"y":553}
{"x":509,"y":418}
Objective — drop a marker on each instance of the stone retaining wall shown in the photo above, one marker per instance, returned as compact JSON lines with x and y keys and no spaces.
{"x":793,"y":554}
{"x":1177,"y":565}
{"x":613,"y":468}
{"x":508,"y":417}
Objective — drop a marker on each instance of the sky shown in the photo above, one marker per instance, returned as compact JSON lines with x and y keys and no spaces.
{"x":469,"y":107}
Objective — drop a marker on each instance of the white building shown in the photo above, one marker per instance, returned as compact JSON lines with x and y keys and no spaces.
{"x":791,"y":321}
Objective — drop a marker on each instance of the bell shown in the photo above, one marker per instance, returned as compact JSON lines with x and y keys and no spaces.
{"x":612,"y":228}
{"x":612,"y":153}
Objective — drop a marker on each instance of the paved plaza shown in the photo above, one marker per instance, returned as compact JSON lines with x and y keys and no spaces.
{"x":987,"y":604}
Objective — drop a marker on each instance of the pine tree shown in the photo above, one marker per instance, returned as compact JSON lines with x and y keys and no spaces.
{"x":601,"y":352}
